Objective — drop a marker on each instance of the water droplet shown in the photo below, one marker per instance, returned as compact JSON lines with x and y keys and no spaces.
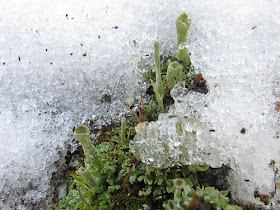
{"x":182,"y":45}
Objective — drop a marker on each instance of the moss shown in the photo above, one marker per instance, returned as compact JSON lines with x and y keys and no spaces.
{"x":123,"y":182}
{"x":201,"y":198}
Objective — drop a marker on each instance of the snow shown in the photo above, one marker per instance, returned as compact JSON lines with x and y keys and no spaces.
{"x":63,"y":63}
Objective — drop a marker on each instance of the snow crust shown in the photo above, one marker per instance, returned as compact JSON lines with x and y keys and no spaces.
{"x":63,"y":63}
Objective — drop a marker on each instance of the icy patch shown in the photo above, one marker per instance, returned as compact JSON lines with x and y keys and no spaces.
{"x":183,"y":45}
{"x":178,"y":137}
{"x":167,"y":142}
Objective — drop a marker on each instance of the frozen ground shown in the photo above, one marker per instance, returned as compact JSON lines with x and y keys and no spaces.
{"x":48,"y":84}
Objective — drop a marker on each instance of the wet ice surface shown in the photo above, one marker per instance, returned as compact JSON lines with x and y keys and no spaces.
{"x":178,"y":137}
{"x":49,"y":85}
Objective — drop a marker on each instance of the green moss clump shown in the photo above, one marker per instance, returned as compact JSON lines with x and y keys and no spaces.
{"x":185,"y":196}
{"x":123,"y":182}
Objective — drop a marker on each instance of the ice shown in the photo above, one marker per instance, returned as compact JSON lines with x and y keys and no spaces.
{"x":183,"y":45}
{"x":170,"y":141}
{"x":65,"y":63}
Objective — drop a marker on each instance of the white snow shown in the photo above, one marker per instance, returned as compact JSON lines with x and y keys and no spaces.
{"x":47,"y":86}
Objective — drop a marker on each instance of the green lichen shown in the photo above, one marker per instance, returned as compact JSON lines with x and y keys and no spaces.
{"x":158,"y":86}
{"x":123,"y":131}
{"x":183,"y":24}
{"x":187,"y":197}
{"x":174,"y":74}
{"x":170,"y":71}
{"x":82,"y":134}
